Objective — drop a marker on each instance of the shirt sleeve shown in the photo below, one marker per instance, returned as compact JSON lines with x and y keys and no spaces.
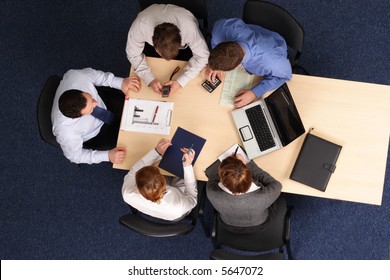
{"x":134,"y":49}
{"x":106,"y":79}
{"x":200,"y":55}
{"x":267,"y":84}
{"x":72,"y":147}
{"x":270,"y":187}
{"x":190,"y":191}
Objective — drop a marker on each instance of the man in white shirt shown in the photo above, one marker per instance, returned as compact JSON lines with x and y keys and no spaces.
{"x":83,"y":137}
{"x":168,"y":28}
{"x":168,"y":198}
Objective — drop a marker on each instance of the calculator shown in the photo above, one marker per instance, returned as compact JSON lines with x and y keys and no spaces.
{"x":210,"y":86}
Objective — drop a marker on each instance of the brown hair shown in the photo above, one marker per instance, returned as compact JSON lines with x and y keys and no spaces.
{"x":235,"y":175}
{"x":167,"y":40}
{"x":150,"y":183}
{"x":226,"y":56}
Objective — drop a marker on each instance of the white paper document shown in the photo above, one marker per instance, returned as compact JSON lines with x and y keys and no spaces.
{"x":235,"y":81}
{"x":232,"y":150}
{"x":147,"y":116}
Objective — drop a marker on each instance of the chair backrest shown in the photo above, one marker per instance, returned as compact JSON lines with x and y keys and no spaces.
{"x":138,"y":222}
{"x":45,"y":103}
{"x":277,"y":19}
{"x":196,"y":7}
{"x":261,"y":240}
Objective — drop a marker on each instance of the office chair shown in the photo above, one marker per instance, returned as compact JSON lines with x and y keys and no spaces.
{"x":262,"y":242}
{"x":196,"y":7}
{"x":277,"y":19}
{"x":45,"y":103}
{"x":139,"y":223}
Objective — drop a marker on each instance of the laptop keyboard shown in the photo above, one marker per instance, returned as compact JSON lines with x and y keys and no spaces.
{"x":260,"y":127}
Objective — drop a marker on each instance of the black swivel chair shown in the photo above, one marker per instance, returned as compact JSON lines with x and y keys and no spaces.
{"x":277,"y":19}
{"x":196,"y":7}
{"x":137,"y":221}
{"x":265,"y":245}
{"x":45,"y":103}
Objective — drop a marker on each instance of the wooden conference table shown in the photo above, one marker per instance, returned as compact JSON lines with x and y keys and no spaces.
{"x":355,"y":114}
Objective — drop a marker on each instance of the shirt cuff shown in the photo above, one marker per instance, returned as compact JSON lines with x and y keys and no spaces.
{"x":189,"y":173}
{"x":157,"y":154}
{"x":102,"y":156}
{"x":182,"y":80}
{"x":117,"y":83}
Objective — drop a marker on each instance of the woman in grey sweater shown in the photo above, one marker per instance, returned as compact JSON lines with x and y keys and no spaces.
{"x":245,"y":195}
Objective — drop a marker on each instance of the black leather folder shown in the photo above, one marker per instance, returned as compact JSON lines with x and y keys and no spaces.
{"x":316,"y":162}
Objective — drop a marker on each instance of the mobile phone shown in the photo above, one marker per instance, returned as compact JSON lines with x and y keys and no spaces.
{"x":165,"y":91}
{"x":211,"y":86}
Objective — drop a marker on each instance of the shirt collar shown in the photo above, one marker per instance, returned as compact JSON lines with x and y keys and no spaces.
{"x":252,"y":188}
{"x":247,"y":51}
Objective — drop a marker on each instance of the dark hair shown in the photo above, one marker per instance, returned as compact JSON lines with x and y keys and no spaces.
{"x":235,"y":175}
{"x":226,"y":56}
{"x":150,"y":183}
{"x":167,"y":40}
{"x":71,"y":103}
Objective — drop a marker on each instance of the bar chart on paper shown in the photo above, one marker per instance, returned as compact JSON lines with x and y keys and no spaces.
{"x":147,"y":116}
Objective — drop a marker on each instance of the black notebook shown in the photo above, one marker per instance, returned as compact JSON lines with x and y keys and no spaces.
{"x":172,"y":158}
{"x":316,"y":162}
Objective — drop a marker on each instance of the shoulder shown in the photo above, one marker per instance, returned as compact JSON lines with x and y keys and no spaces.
{"x":79,"y":74}
{"x":230,"y":22}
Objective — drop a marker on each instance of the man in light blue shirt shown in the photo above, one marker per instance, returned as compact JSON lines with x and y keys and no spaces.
{"x":83,"y":137}
{"x":260,"y":51}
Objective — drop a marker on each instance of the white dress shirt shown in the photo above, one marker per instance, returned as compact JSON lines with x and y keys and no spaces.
{"x":176,"y":202}
{"x":72,"y":133}
{"x":142,"y":30}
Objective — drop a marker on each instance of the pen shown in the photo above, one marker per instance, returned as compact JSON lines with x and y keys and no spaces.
{"x":155,"y":114}
{"x":189,"y":151}
{"x":235,"y":152}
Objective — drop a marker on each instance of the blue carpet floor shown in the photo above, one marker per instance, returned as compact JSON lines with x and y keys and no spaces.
{"x":52,"y":209}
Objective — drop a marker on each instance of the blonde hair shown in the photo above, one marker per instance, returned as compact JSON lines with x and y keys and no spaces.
{"x":150,"y":183}
{"x":235,"y":175}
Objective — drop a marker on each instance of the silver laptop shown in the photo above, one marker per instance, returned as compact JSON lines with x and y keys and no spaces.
{"x":268,"y":124}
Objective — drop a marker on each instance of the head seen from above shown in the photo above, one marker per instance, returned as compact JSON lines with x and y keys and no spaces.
{"x":75,"y":103}
{"x":167,"y":40}
{"x":151,"y":183}
{"x":226,"y":56}
{"x":235,"y":175}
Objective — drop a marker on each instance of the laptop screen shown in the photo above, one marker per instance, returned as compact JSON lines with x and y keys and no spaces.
{"x":285,"y":115}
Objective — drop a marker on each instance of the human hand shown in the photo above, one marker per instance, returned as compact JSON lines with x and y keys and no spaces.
{"x":117,"y":155}
{"x":132,"y":83}
{"x":156,"y":86}
{"x":175,"y":86}
{"x":211,"y":74}
{"x":243,"y":98}
{"x":188,"y":156}
{"x":163,"y":145}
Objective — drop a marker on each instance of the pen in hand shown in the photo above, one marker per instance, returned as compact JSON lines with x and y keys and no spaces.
{"x":188,"y":151}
